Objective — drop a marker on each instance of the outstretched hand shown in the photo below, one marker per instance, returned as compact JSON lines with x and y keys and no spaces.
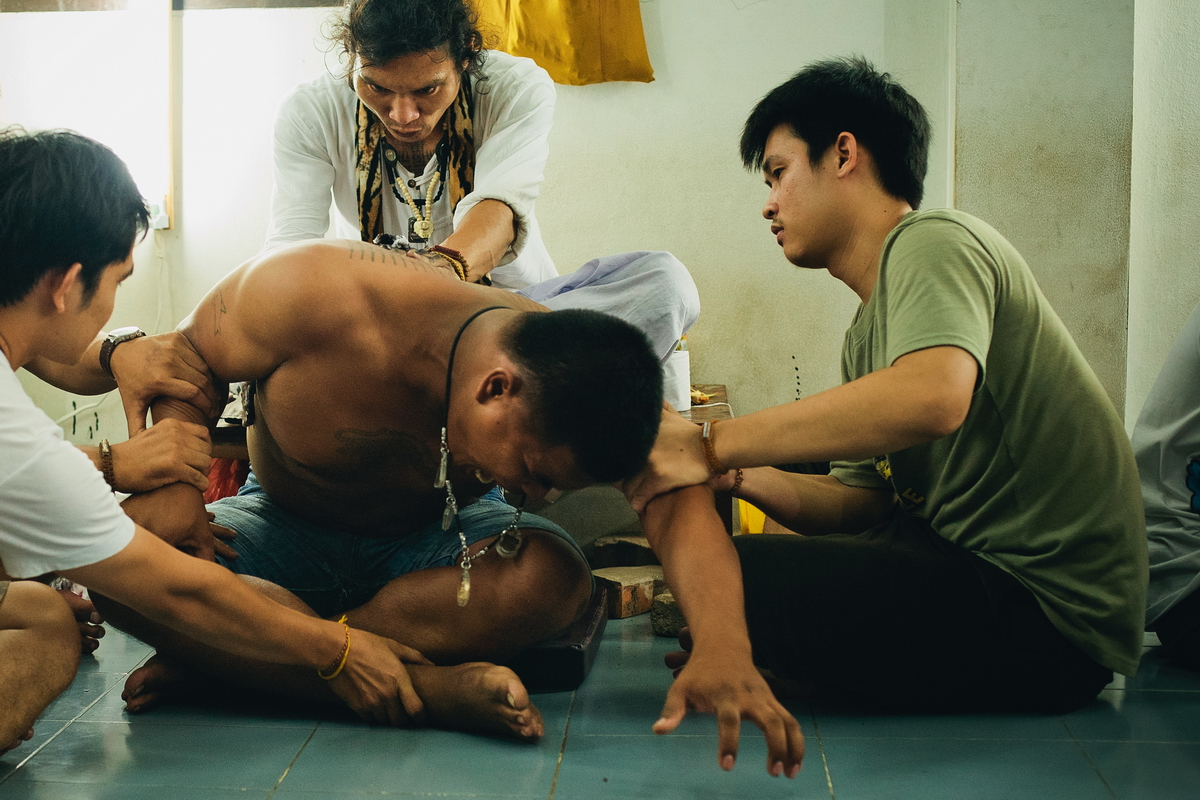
{"x":727,"y":684}
{"x":166,"y":365}
{"x":172,"y":451}
{"x":375,"y":683}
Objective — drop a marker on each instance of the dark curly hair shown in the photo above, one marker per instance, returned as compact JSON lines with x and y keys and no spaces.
{"x":378,"y":31}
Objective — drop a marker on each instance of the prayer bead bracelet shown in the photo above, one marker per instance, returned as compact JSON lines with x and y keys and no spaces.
{"x":455,"y":258}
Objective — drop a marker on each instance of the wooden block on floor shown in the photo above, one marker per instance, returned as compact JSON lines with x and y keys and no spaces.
{"x":561,"y":664}
{"x":665,"y":617}
{"x":622,"y":550}
{"x":630,"y":589}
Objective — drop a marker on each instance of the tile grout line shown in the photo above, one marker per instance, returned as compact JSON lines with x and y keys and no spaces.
{"x":824,"y":759}
{"x":563,"y":747}
{"x":1087,"y":757}
{"x":292,"y":763}
{"x":67,"y":724}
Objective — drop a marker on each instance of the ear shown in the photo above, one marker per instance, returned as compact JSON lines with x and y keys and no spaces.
{"x":499,"y":384}
{"x":846,"y":154}
{"x":60,"y":286}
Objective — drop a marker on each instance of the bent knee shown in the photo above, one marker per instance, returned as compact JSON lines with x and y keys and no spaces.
{"x":35,"y":606}
{"x":555,"y":582}
{"x":52,"y":635}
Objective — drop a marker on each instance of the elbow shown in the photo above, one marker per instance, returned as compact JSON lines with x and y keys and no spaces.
{"x":944,"y":415}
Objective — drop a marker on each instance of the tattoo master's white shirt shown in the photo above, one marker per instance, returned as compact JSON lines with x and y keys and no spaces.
{"x":315,"y":155}
{"x":56,"y":511}
{"x":1166,"y":443}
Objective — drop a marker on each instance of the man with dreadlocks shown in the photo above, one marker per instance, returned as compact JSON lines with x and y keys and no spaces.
{"x":440,"y":145}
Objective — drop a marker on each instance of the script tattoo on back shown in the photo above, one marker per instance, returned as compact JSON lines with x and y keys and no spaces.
{"x":386,"y":449}
{"x":219,"y":311}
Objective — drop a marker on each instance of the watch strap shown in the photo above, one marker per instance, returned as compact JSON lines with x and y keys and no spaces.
{"x":109,"y":344}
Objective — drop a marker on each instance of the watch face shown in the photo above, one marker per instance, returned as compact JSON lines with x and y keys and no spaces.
{"x":126,"y":331}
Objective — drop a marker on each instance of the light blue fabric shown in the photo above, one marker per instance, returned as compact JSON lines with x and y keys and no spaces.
{"x":333,"y":571}
{"x":650,"y":290}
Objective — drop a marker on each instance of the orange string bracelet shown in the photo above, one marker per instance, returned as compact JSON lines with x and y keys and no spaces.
{"x":715,"y":467}
{"x":339,"y":664}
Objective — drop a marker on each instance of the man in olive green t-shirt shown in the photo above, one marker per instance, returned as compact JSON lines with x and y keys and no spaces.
{"x":979,"y":542}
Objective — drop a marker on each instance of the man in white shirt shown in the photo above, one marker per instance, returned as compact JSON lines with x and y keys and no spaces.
{"x":71,"y":215}
{"x":441,"y":144}
{"x":1166,"y":443}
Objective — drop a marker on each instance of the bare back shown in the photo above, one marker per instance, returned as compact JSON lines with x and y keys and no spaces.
{"x":348,"y":346}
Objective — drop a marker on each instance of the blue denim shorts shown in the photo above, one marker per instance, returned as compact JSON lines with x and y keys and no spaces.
{"x":333,"y":571}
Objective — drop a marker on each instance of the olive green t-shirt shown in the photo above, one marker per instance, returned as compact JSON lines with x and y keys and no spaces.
{"x":1040,"y":479}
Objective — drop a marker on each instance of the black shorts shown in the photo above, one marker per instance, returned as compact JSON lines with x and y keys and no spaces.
{"x":905,"y":620}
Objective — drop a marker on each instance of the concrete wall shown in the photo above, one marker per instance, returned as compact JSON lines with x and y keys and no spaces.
{"x":1044,"y":104}
{"x":1164,"y":270}
{"x":1032,"y":102}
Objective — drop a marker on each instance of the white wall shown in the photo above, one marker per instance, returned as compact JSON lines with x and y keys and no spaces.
{"x":1044,"y":107}
{"x":1042,"y":95}
{"x":1164,"y":270}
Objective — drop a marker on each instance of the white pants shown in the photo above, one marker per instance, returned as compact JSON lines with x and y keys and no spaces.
{"x":652,"y":291}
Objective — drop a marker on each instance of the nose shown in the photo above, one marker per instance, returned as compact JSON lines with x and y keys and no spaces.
{"x":404,"y":110}
{"x":769,"y":209}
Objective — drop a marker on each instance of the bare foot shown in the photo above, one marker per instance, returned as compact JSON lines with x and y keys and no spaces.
{"x":477,"y":697}
{"x":90,"y":632}
{"x":25,"y":737}
{"x":151,"y":683}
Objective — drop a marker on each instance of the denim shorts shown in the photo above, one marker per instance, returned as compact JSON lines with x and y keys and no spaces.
{"x":333,"y":571}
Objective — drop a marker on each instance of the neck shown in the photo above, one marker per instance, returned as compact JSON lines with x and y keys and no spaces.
{"x":461,"y":363}
{"x":414,"y":156}
{"x":857,"y":263}
{"x":17,"y":335}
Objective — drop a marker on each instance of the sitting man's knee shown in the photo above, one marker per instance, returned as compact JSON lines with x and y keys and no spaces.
{"x":557,"y":582}
{"x":41,"y":611}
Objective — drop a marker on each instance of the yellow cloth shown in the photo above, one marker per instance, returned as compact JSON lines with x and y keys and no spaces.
{"x":577,"y":41}
{"x":750,"y":518}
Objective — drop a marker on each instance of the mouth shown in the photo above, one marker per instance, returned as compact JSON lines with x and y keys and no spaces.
{"x":778,"y":233}
{"x":401,"y":133}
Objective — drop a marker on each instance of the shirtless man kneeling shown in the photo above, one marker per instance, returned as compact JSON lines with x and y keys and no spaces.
{"x":371,"y":371}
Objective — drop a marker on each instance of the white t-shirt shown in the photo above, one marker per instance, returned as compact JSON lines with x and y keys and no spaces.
{"x":1166,"y":443}
{"x":56,"y":511}
{"x":315,"y":155}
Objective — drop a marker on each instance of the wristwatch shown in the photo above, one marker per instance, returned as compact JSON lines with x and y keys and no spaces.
{"x":111,"y":341}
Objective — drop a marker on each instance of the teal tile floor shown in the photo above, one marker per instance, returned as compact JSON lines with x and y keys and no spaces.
{"x":1139,"y":741}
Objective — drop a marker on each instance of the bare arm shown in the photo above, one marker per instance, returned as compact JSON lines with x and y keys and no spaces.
{"x":813,"y":505}
{"x":923,"y":396}
{"x":701,"y":567}
{"x":145,"y":368}
{"x":211,"y":604}
{"x":83,"y":377}
{"x":484,"y":236}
